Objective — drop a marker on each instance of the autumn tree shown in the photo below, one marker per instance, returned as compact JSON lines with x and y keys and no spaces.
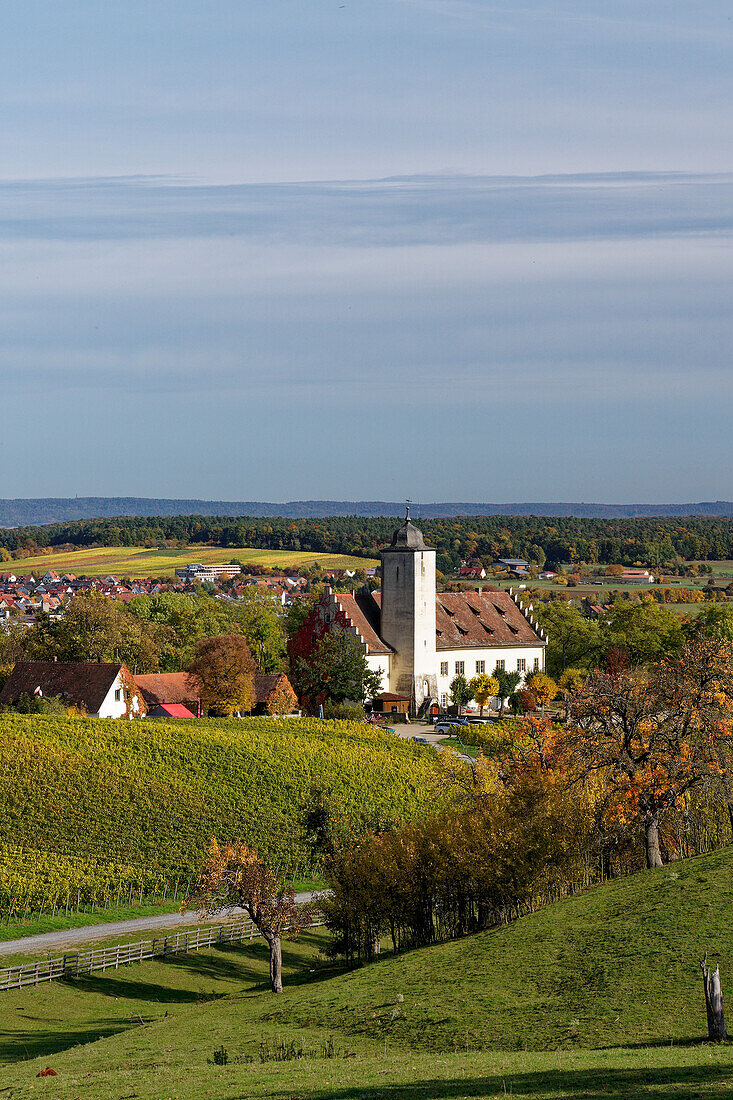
{"x":571,"y":681}
{"x":222,"y":671}
{"x":653,"y":735}
{"x":543,"y":688}
{"x":483,"y":688}
{"x":234,"y":876}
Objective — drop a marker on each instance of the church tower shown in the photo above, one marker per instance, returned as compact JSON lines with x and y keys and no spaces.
{"x":408,"y":613}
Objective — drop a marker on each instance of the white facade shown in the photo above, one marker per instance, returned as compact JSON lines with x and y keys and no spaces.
{"x":114,"y":705}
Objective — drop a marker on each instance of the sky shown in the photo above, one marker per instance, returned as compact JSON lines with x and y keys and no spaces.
{"x":355,"y":249}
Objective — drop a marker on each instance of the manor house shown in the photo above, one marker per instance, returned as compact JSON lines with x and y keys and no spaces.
{"x":420,"y":639}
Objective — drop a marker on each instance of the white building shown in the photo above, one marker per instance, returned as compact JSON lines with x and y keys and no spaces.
{"x":98,"y":689}
{"x":420,"y":639}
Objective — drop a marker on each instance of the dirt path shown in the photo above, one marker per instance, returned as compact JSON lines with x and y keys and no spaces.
{"x":72,"y":937}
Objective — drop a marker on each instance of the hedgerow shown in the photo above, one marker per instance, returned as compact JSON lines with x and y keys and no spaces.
{"x":153,"y":793}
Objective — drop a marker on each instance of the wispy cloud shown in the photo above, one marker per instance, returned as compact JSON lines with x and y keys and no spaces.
{"x":416,"y":210}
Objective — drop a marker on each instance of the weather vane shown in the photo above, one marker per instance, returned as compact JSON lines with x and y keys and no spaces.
{"x":408,"y":502}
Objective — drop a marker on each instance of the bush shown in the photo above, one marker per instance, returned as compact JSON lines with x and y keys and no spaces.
{"x":346,"y":712}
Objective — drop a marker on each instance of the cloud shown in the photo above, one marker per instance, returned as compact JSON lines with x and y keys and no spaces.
{"x":416,"y":210}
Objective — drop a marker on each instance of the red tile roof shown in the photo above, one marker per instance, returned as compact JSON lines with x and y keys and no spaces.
{"x":466,"y":619}
{"x":170,"y":710}
{"x":364,"y":613}
{"x":167,"y":687}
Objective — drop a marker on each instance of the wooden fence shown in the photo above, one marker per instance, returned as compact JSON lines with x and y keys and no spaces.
{"x":77,"y":964}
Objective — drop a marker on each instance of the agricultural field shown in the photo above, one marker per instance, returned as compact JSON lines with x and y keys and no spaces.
{"x":136,"y":561}
{"x":151,"y":795}
{"x":595,"y":996}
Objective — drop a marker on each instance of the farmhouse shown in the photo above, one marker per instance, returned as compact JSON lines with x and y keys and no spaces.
{"x":419,"y":639}
{"x":101,"y":690}
{"x":162,"y":689}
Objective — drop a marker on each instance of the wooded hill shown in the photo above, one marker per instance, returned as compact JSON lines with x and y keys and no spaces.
{"x":651,"y":541}
{"x":37,"y":510}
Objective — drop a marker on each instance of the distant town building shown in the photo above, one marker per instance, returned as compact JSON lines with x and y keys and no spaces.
{"x":637,"y":576}
{"x":198,"y":574}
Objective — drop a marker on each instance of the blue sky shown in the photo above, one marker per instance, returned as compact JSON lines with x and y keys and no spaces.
{"x":290,"y":249}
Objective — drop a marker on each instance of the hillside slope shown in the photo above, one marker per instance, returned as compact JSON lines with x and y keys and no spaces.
{"x":616,"y":965}
{"x":521,"y":1011}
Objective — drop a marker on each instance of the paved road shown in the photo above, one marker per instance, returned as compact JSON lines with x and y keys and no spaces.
{"x":71,"y":937}
{"x":416,"y":729}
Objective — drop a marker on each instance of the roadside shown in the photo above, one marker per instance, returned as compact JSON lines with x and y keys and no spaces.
{"x":71,"y":937}
{"x":438,"y":740}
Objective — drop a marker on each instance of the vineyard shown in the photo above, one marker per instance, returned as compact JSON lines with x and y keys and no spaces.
{"x":39,"y":878}
{"x":151,"y":795}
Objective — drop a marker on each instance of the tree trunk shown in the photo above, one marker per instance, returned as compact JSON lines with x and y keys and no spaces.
{"x":713,"y":1002}
{"x":276,"y":965}
{"x":651,"y":838}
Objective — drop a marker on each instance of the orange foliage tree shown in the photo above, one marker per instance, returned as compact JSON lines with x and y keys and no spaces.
{"x":651,"y":736}
{"x":222,"y":672}
{"x":234,"y":875}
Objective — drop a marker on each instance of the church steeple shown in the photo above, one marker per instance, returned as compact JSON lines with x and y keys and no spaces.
{"x":408,"y":611}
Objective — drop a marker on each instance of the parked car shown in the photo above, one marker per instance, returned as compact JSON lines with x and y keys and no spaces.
{"x":444,"y":724}
{"x":476,"y":721}
{"x":421,"y":740}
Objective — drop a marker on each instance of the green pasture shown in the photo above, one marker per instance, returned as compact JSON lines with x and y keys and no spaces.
{"x":136,"y":561}
{"x":595,"y":996}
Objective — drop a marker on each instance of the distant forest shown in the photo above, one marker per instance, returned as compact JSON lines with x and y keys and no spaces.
{"x":651,"y":541}
{"x":23,"y":512}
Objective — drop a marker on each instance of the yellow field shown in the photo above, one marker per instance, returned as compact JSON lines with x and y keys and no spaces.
{"x":135,"y":561}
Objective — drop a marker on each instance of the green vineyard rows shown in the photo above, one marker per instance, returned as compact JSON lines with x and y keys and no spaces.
{"x":152,"y":794}
{"x":39,"y":875}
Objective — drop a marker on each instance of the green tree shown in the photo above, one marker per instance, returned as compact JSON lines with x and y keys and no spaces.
{"x":94,"y":628}
{"x":714,"y":621}
{"x":335,"y":670}
{"x":646,"y":631}
{"x":263,"y":627}
{"x":573,"y":640}
{"x":460,"y":692}
{"x":508,"y":682}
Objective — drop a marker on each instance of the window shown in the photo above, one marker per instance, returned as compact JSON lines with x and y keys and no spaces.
{"x":443,"y":699}
{"x":460,"y":668}
{"x":521,"y":665}
{"x":118,"y":694}
{"x":480,"y":667}
{"x":536,"y":664}
{"x":443,"y":668}
{"x":501,"y":665}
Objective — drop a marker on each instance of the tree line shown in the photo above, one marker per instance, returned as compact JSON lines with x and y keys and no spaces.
{"x":655,"y":542}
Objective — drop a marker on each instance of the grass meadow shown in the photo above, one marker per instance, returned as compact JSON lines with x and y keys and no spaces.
{"x":593,"y":997}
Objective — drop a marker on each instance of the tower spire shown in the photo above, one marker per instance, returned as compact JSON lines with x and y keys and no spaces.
{"x":408,"y":502}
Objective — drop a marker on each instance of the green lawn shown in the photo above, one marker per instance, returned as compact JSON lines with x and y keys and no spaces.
{"x":135,"y":561}
{"x":596,"y":996}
